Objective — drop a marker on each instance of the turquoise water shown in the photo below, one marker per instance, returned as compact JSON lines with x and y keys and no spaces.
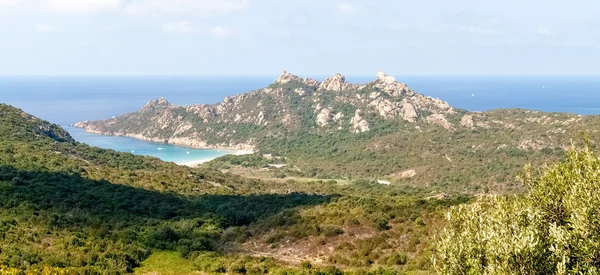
{"x":166,"y":152}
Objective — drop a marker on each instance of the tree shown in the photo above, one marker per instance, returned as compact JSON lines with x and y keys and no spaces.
{"x":553,"y":229}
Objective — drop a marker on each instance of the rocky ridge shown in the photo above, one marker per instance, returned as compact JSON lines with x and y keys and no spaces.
{"x":236,"y":123}
{"x":293,"y":105}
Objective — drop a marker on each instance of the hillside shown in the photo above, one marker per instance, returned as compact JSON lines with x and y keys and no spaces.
{"x":68,"y":207}
{"x":377,"y":130}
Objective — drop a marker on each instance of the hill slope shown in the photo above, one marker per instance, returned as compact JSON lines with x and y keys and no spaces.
{"x":68,"y":207}
{"x":65,"y":204}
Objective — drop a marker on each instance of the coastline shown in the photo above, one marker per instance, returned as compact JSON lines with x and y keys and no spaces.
{"x":196,"y":163}
{"x":229,"y":150}
{"x":177,"y":141}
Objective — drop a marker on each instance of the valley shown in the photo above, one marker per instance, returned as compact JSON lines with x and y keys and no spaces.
{"x":343,"y":179}
{"x":162,"y":137}
{"x":71,"y":208}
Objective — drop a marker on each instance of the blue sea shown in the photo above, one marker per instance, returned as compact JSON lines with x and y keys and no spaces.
{"x":167,"y":152}
{"x":68,"y":99}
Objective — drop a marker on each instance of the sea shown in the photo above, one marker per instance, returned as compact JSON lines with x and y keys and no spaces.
{"x":65,"y":100}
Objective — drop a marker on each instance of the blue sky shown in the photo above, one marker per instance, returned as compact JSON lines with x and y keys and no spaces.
{"x":307,"y":37}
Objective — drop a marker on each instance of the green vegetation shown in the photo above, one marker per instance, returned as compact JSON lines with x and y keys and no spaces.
{"x":65,"y":204}
{"x":250,"y":160}
{"x":313,"y":129}
{"x":166,"y":263}
{"x":67,"y":207}
{"x":553,"y":229}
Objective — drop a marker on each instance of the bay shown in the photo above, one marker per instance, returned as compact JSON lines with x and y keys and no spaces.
{"x":166,"y":152}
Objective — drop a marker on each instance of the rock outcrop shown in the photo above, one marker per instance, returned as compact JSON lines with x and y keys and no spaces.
{"x":410,"y":113}
{"x":324,"y":117}
{"x":337,"y":83}
{"x":467,"y":121}
{"x":287,"y":77}
{"x":156,"y":104}
{"x":359,"y":125}
{"x":334,"y":83}
{"x":385,"y":78}
{"x":440,"y":120}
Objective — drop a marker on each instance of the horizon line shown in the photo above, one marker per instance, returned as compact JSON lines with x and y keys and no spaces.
{"x":297,"y":74}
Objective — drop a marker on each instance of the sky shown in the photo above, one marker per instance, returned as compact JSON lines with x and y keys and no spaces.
{"x":305,"y":37}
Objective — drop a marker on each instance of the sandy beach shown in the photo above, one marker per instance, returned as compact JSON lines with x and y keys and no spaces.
{"x":196,"y":163}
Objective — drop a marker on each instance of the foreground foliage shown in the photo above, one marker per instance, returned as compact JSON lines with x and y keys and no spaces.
{"x":554,"y":229}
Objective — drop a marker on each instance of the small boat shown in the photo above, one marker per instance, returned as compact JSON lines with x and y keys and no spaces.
{"x":472,"y":94}
{"x":132,"y":151}
{"x":188,"y":152}
{"x":160,"y":148}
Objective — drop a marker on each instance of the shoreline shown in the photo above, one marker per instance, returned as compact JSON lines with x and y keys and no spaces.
{"x":196,"y":163}
{"x":181,"y":142}
{"x":190,"y":163}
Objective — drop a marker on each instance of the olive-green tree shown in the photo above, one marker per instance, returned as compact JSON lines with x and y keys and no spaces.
{"x":553,"y":229}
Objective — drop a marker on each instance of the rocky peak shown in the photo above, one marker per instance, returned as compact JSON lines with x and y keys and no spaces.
{"x":389,"y":85}
{"x":286,"y":77}
{"x":385,"y":78}
{"x":334,"y":83}
{"x":157,"y":103}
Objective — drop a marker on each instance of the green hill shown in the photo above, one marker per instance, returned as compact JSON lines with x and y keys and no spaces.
{"x":380,"y":130}
{"x":68,"y":207}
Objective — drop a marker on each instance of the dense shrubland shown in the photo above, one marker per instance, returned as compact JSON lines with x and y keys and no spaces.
{"x":553,"y":229}
{"x":458,"y":160}
{"x":250,"y":161}
{"x":67,"y":207}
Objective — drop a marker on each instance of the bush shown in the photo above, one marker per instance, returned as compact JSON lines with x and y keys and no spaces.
{"x":163,"y":238}
{"x":397,"y":259}
{"x":554,"y":229}
{"x":211,"y":263}
{"x":238,"y":267}
{"x":306,"y":265}
{"x":382,"y":224}
{"x":332,"y":231}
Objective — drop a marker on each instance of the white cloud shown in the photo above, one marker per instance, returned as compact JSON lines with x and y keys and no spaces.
{"x":42,"y":27}
{"x":82,"y":6}
{"x":543,"y":31}
{"x":200,"y":8}
{"x":10,"y":2}
{"x":185,"y":27}
{"x":346,"y":8}
{"x":221,"y":31}
{"x":474,"y":23}
{"x":181,"y":27}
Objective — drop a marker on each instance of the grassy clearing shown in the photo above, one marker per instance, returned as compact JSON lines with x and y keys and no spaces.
{"x":274,"y":175}
{"x":166,"y":263}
